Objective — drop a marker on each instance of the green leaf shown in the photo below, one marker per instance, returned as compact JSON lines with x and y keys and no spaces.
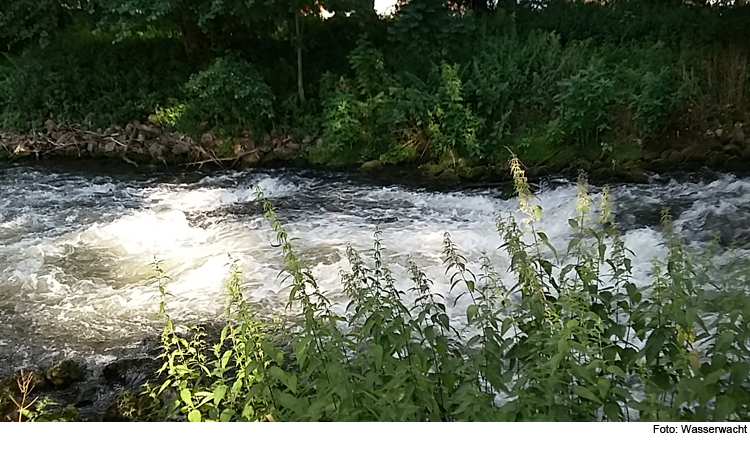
{"x":225,"y":359}
{"x":724,"y":406}
{"x":236,"y":387}
{"x":603,"y":384}
{"x":724,"y":340}
{"x":163,"y":386}
{"x":615,"y":370}
{"x":612,"y":410}
{"x":186,"y":397}
{"x":556,"y":360}
{"x":537,"y":212}
{"x":585,"y":393}
{"x":194,"y":416}
{"x":713,"y":377}
{"x":471,"y":312}
{"x":219,"y":392}
{"x":277,"y":373}
{"x":654,"y":345}
{"x":377,"y":354}
{"x":226,"y":415}
{"x":739,"y":371}
{"x":248,"y":412}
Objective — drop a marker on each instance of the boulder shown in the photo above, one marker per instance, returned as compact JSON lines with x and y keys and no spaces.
{"x":130,"y":372}
{"x":738,"y":137}
{"x":208,"y":140}
{"x":155,"y":150}
{"x":723,"y":136}
{"x":432,"y":170}
{"x":65,"y":373}
{"x":673,"y":157}
{"x":180,"y":148}
{"x":251,"y":159}
{"x":637,"y":176}
{"x":371,"y":166}
{"x":732,"y":149}
{"x":149,"y":131}
{"x":475,"y":173}
{"x":449,"y":176}
{"x":283,"y":153}
{"x":693,"y":155}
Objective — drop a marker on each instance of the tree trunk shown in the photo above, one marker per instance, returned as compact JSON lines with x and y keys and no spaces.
{"x":300,"y":81}
{"x":193,"y":39}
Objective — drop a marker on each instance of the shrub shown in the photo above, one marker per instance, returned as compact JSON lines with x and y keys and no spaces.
{"x":582,"y":105}
{"x":87,"y":80}
{"x":343,"y":130}
{"x":229,"y":97}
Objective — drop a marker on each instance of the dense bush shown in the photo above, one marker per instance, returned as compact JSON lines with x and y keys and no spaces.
{"x":628,"y":21}
{"x":570,"y":338}
{"x":582,"y":104}
{"x":84,"y":79}
{"x":229,"y":96}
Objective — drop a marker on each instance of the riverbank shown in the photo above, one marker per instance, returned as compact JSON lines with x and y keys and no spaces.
{"x":147,"y":147}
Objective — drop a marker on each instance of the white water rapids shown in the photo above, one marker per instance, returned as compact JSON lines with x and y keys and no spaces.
{"x":76,"y":248}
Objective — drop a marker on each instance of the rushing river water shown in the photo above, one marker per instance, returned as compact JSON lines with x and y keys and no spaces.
{"x":76,"y":249}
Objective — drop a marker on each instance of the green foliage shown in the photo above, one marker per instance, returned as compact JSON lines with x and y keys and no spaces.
{"x":230,"y":380}
{"x":571,"y":338}
{"x":230,"y":97}
{"x":342,"y":129}
{"x":29,"y":21}
{"x":624,"y":22}
{"x":425,"y":31}
{"x":85,"y":80}
{"x":429,"y":84}
{"x":458,"y":125}
{"x":127,"y":17}
{"x":582,"y":105}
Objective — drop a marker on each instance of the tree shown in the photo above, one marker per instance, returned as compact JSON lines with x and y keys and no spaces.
{"x":125,"y":17}
{"x":26,"y":21}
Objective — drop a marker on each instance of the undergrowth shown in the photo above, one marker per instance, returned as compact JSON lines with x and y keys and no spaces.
{"x":556,"y":83}
{"x":572,"y":338}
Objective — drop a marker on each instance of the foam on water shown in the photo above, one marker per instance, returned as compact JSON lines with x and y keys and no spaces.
{"x":75,"y":249}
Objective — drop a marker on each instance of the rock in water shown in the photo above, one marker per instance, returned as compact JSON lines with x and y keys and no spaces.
{"x":65,"y":373}
{"x":371,"y":166}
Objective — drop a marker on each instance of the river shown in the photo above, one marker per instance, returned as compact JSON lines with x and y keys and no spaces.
{"x":76,"y":248}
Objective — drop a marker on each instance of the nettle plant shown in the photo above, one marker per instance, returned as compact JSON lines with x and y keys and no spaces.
{"x":572,"y":338}
{"x":582,"y":105}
